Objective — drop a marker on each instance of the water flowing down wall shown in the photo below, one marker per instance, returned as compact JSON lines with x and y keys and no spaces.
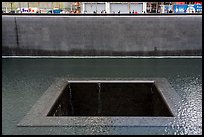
{"x":101,"y":35}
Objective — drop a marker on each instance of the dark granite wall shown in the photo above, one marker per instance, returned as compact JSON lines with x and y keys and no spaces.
{"x":98,"y":35}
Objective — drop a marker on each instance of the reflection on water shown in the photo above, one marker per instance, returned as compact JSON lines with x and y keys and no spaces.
{"x":190,"y":110}
{"x":25,"y":80}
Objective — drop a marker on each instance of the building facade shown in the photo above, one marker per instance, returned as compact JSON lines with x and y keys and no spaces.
{"x":113,"y":7}
{"x":69,"y":6}
{"x":102,"y":7}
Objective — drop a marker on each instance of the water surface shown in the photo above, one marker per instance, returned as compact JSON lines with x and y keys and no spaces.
{"x":25,"y":80}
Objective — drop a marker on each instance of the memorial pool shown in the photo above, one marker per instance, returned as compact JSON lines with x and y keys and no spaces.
{"x":24,"y":81}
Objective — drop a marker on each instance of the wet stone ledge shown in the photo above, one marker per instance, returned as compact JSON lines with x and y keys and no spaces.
{"x":105,"y":102}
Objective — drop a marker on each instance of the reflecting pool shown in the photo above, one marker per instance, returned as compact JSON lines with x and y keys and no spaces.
{"x":25,"y":80}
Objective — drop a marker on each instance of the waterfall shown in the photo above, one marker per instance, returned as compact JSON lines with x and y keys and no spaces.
{"x":99,"y":98}
{"x":70,"y":99}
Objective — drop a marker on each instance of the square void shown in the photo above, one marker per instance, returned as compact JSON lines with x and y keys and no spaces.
{"x":105,"y":102}
{"x":110,"y":99}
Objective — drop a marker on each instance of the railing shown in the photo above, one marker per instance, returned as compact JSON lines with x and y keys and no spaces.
{"x":107,"y":14}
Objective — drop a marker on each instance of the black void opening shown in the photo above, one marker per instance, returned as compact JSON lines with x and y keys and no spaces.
{"x":110,"y":99}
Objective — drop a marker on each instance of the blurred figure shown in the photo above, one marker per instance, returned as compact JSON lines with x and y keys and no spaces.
{"x":133,"y":11}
